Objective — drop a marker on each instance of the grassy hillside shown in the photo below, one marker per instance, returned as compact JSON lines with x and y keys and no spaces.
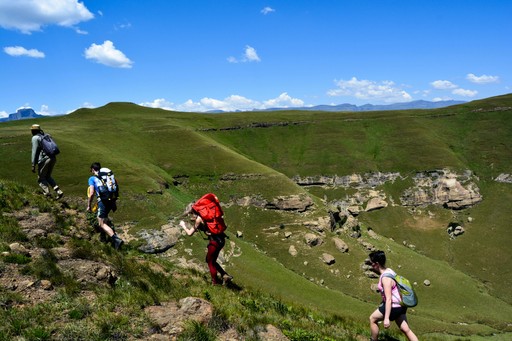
{"x":187,"y":154}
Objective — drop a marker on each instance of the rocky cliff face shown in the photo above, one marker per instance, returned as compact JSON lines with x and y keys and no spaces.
{"x":442,"y":187}
{"x":439,"y":187}
{"x":21,"y":114}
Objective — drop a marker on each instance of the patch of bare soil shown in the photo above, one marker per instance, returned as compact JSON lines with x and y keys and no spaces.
{"x":32,"y":290}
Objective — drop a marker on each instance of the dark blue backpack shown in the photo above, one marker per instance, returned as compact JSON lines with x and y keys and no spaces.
{"x":48,"y":145}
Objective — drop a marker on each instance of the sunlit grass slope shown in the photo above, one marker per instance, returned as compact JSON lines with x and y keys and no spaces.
{"x":187,"y":154}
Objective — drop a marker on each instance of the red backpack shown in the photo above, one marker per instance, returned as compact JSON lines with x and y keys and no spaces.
{"x":208,"y":208}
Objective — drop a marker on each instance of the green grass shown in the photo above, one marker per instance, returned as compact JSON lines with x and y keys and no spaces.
{"x":149,"y":149}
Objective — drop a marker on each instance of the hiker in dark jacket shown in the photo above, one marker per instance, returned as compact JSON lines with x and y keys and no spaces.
{"x":215,"y":244}
{"x":390,"y":308}
{"x":45,"y":164}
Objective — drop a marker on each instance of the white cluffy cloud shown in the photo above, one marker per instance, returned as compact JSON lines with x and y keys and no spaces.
{"x":3,"y":114}
{"x":28,"y":16}
{"x":250,"y":55}
{"x":108,"y":55}
{"x":17,"y":51}
{"x":385,"y":91}
{"x":455,"y":89}
{"x":267,"y":10}
{"x":465,"y":92}
{"x":231,"y":103}
{"x":443,"y":85}
{"x":483,"y":79}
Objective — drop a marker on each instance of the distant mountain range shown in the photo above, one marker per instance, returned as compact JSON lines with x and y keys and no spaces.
{"x":367,"y":107}
{"x":21,"y":114}
{"x":26,"y":113}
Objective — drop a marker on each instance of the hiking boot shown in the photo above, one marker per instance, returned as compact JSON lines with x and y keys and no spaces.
{"x":46,"y":190}
{"x":226,"y":279}
{"x":59,"y":192}
{"x":117,"y":242}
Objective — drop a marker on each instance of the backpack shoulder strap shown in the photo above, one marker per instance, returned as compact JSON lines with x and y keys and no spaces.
{"x":389,"y":275}
{"x":101,"y":179}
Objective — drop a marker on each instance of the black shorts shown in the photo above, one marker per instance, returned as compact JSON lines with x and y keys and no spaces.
{"x":395,"y":312}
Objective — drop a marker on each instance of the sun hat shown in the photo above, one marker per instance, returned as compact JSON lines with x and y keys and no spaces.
{"x":35,"y":127}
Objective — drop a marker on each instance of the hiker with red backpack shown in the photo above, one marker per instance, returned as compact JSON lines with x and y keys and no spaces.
{"x":392,"y":307}
{"x":208,"y":217}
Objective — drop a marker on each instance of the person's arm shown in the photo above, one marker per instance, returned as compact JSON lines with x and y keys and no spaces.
{"x":90,"y":197}
{"x":191,"y":230}
{"x":387,"y":283}
{"x":36,"y":149}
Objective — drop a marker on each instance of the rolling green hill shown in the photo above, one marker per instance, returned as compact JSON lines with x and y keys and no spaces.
{"x":257,"y":154}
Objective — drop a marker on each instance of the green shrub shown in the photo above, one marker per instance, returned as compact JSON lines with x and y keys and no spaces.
{"x":195,"y":331}
{"x":16,"y":258}
{"x":10,"y":230}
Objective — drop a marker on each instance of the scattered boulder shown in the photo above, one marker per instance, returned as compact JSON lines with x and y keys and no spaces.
{"x":455,"y":230}
{"x":351,"y":223}
{"x":369,"y":247}
{"x":271,"y":333}
{"x":156,"y":241}
{"x":299,"y":203}
{"x":354,"y":210}
{"x":426,"y":283}
{"x":46,"y":284}
{"x":372,"y":234}
{"x":292,"y":251}
{"x":312,"y":239}
{"x":320,"y":225}
{"x":505,"y":178}
{"x":170,"y":317}
{"x":328,"y":259}
{"x":375,"y":204}
{"x":371,"y":274}
{"x":19,"y":249}
{"x":340,"y":245}
{"x":88,"y":272}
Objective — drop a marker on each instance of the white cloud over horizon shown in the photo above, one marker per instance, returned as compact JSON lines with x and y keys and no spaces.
{"x":28,"y":16}
{"x":230,"y":103}
{"x":18,"y":51}
{"x":385,"y":91}
{"x":108,"y":55}
{"x":483,"y":79}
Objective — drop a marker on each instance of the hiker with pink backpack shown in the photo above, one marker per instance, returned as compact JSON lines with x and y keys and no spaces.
{"x":207,"y":215}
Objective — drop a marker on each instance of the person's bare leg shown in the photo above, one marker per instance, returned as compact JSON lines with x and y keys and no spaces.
{"x":104,"y":226}
{"x":404,"y":327}
{"x":374,"y":327}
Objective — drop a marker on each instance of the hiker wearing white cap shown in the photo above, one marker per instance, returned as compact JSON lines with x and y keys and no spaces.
{"x":44,"y":151}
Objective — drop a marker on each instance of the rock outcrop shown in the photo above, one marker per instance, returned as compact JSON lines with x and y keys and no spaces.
{"x":442,"y":188}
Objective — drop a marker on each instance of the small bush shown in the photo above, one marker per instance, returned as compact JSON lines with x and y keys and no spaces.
{"x":10,"y":230}
{"x":16,"y":258}
{"x":195,"y":331}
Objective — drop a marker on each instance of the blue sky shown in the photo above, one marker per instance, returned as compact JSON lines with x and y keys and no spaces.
{"x":60,"y":55}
